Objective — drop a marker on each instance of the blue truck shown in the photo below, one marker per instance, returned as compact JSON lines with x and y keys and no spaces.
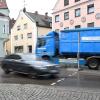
{"x":68,"y":43}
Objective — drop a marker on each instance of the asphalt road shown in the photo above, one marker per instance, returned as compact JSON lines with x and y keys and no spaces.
{"x":69,"y":78}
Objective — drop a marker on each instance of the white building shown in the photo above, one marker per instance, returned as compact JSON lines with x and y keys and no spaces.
{"x":4,"y":26}
{"x":26,"y":29}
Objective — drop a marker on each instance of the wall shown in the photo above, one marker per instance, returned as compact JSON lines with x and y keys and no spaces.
{"x":3,"y":34}
{"x":2,"y":51}
{"x":73,"y":21}
{"x":43,"y":31}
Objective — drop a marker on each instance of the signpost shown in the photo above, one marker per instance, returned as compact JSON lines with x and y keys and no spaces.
{"x":78,"y":53}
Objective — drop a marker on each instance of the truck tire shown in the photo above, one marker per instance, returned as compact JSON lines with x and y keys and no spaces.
{"x":46,"y":58}
{"x":93,"y":63}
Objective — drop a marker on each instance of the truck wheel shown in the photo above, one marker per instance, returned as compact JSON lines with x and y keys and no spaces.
{"x":93,"y":63}
{"x":46,"y":58}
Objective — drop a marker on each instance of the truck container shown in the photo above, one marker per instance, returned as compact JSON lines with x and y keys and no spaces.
{"x":89,"y":42}
{"x":67,"y":43}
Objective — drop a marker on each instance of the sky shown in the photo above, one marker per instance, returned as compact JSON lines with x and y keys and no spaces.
{"x":42,"y":6}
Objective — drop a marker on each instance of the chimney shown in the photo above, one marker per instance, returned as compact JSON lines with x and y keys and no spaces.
{"x":24,"y":9}
{"x":46,"y":15}
{"x":36,"y":12}
{"x":13,"y":20}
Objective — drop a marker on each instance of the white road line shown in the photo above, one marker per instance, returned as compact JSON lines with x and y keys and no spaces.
{"x":63,"y":79}
{"x":53,"y":84}
{"x":69,"y":75}
{"x":59,"y":80}
{"x":74,"y":73}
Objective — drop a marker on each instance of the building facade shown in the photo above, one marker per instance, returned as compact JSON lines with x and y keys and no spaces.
{"x":26,"y":29}
{"x":4,"y":26}
{"x":76,"y":14}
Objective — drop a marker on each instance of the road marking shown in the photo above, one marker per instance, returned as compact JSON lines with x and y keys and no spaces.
{"x":74,"y":73}
{"x":59,"y":80}
{"x":63,"y":79}
{"x":53,"y":84}
{"x":69,"y":75}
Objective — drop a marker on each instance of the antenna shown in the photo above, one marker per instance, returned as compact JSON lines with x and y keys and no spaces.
{"x":24,"y":3}
{"x":24,"y":9}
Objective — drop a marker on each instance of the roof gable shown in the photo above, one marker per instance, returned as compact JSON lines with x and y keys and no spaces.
{"x":58,"y":6}
{"x":41,"y":20}
{"x":20,"y":17}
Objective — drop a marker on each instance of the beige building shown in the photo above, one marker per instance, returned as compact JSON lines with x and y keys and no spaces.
{"x":26,"y":29}
{"x":76,"y":14}
{"x":8,"y":41}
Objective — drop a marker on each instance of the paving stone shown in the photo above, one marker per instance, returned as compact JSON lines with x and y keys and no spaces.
{"x":37,"y":92}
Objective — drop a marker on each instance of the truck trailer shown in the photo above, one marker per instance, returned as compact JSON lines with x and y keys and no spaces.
{"x":83,"y":42}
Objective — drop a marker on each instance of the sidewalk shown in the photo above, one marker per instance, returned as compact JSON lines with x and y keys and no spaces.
{"x":37,"y":92}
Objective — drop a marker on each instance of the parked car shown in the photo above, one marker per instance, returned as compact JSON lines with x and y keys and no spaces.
{"x":27,"y":64}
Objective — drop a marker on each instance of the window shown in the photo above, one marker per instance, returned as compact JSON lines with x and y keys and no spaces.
{"x":18,"y":28}
{"x":66,"y":28}
{"x":57,"y":18}
{"x":66,"y":15}
{"x":90,"y":9}
{"x":21,"y":36}
{"x":18,"y":49}
{"x":25,"y":26}
{"x":29,"y":35}
{"x":57,"y":30}
{"x":4,"y":28}
{"x":41,"y":42}
{"x":77,"y":12}
{"x":30,"y":49}
{"x":90,"y":24}
{"x":16,"y":37}
{"x":77,"y":0}
{"x":66,"y":2}
{"x":77,"y":26}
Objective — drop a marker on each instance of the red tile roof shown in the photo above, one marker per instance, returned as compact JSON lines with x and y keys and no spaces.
{"x":3,"y":5}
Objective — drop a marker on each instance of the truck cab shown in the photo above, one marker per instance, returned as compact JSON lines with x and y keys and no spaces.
{"x":47,"y":46}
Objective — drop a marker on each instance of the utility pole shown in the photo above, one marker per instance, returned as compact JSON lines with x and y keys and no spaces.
{"x":24,"y":3}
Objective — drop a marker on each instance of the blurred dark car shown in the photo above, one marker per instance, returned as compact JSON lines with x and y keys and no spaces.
{"x":27,"y":64}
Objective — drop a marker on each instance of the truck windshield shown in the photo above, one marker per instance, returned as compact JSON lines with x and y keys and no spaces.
{"x":41,"y":42}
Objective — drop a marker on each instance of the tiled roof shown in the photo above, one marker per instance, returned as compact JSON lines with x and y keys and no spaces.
{"x":3,"y":5}
{"x":41,"y":20}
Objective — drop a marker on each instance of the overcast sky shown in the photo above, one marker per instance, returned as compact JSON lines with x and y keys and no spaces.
{"x":41,"y":6}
